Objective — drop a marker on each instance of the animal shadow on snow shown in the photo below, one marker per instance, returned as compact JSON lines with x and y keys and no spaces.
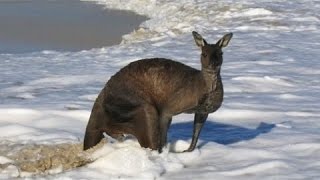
{"x":217,"y":132}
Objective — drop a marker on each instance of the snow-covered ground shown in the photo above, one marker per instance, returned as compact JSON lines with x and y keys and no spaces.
{"x":267,"y":128}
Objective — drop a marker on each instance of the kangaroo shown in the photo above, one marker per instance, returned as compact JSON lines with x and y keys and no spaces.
{"x":142,"y":97}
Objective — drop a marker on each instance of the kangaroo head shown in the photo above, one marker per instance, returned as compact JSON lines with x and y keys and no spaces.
{"x":211,"y":54}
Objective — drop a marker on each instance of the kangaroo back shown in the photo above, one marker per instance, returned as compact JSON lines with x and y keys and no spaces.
{"x":154,"y":80}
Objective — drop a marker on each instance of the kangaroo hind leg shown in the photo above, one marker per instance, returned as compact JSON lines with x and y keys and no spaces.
{"x":147,"y":127}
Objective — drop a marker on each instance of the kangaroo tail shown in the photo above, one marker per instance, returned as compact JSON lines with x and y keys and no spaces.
{"x":97,"y":122}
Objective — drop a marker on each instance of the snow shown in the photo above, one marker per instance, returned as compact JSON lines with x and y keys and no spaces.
{"x":267,"y":128}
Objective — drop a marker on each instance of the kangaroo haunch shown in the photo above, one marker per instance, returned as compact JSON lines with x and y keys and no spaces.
{"x":142,"y":97}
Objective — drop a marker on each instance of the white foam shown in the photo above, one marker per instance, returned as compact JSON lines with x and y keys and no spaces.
{"x":244,"y":114}
{"x":263,"y":84}
{"x":176,"y":17}
{"x":290,"y":97}
{"x":4,"y":160}
{"x":9,"y":172}
{"x":261,"y":167}
{"x":89,"y":97}
{"x":128,"y":159}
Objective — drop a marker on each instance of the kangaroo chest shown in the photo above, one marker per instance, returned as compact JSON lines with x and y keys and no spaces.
{"x":211,"y":101}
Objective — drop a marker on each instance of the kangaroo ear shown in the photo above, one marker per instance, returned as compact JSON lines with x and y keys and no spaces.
{"x":198,"y":39}
{"x":224,"y":41}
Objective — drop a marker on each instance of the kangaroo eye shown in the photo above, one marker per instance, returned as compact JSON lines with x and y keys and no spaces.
{"x":204,"y":55}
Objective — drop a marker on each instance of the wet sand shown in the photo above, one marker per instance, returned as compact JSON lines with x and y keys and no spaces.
{"x":61,"y":25}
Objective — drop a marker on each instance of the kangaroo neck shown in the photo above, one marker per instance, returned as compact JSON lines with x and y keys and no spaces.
{"x":211,"y":79}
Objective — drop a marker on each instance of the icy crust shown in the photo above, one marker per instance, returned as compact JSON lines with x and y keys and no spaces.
{"x":172,"y":18}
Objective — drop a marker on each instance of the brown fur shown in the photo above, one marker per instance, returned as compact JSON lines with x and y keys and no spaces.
{"x":142,"y":97}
